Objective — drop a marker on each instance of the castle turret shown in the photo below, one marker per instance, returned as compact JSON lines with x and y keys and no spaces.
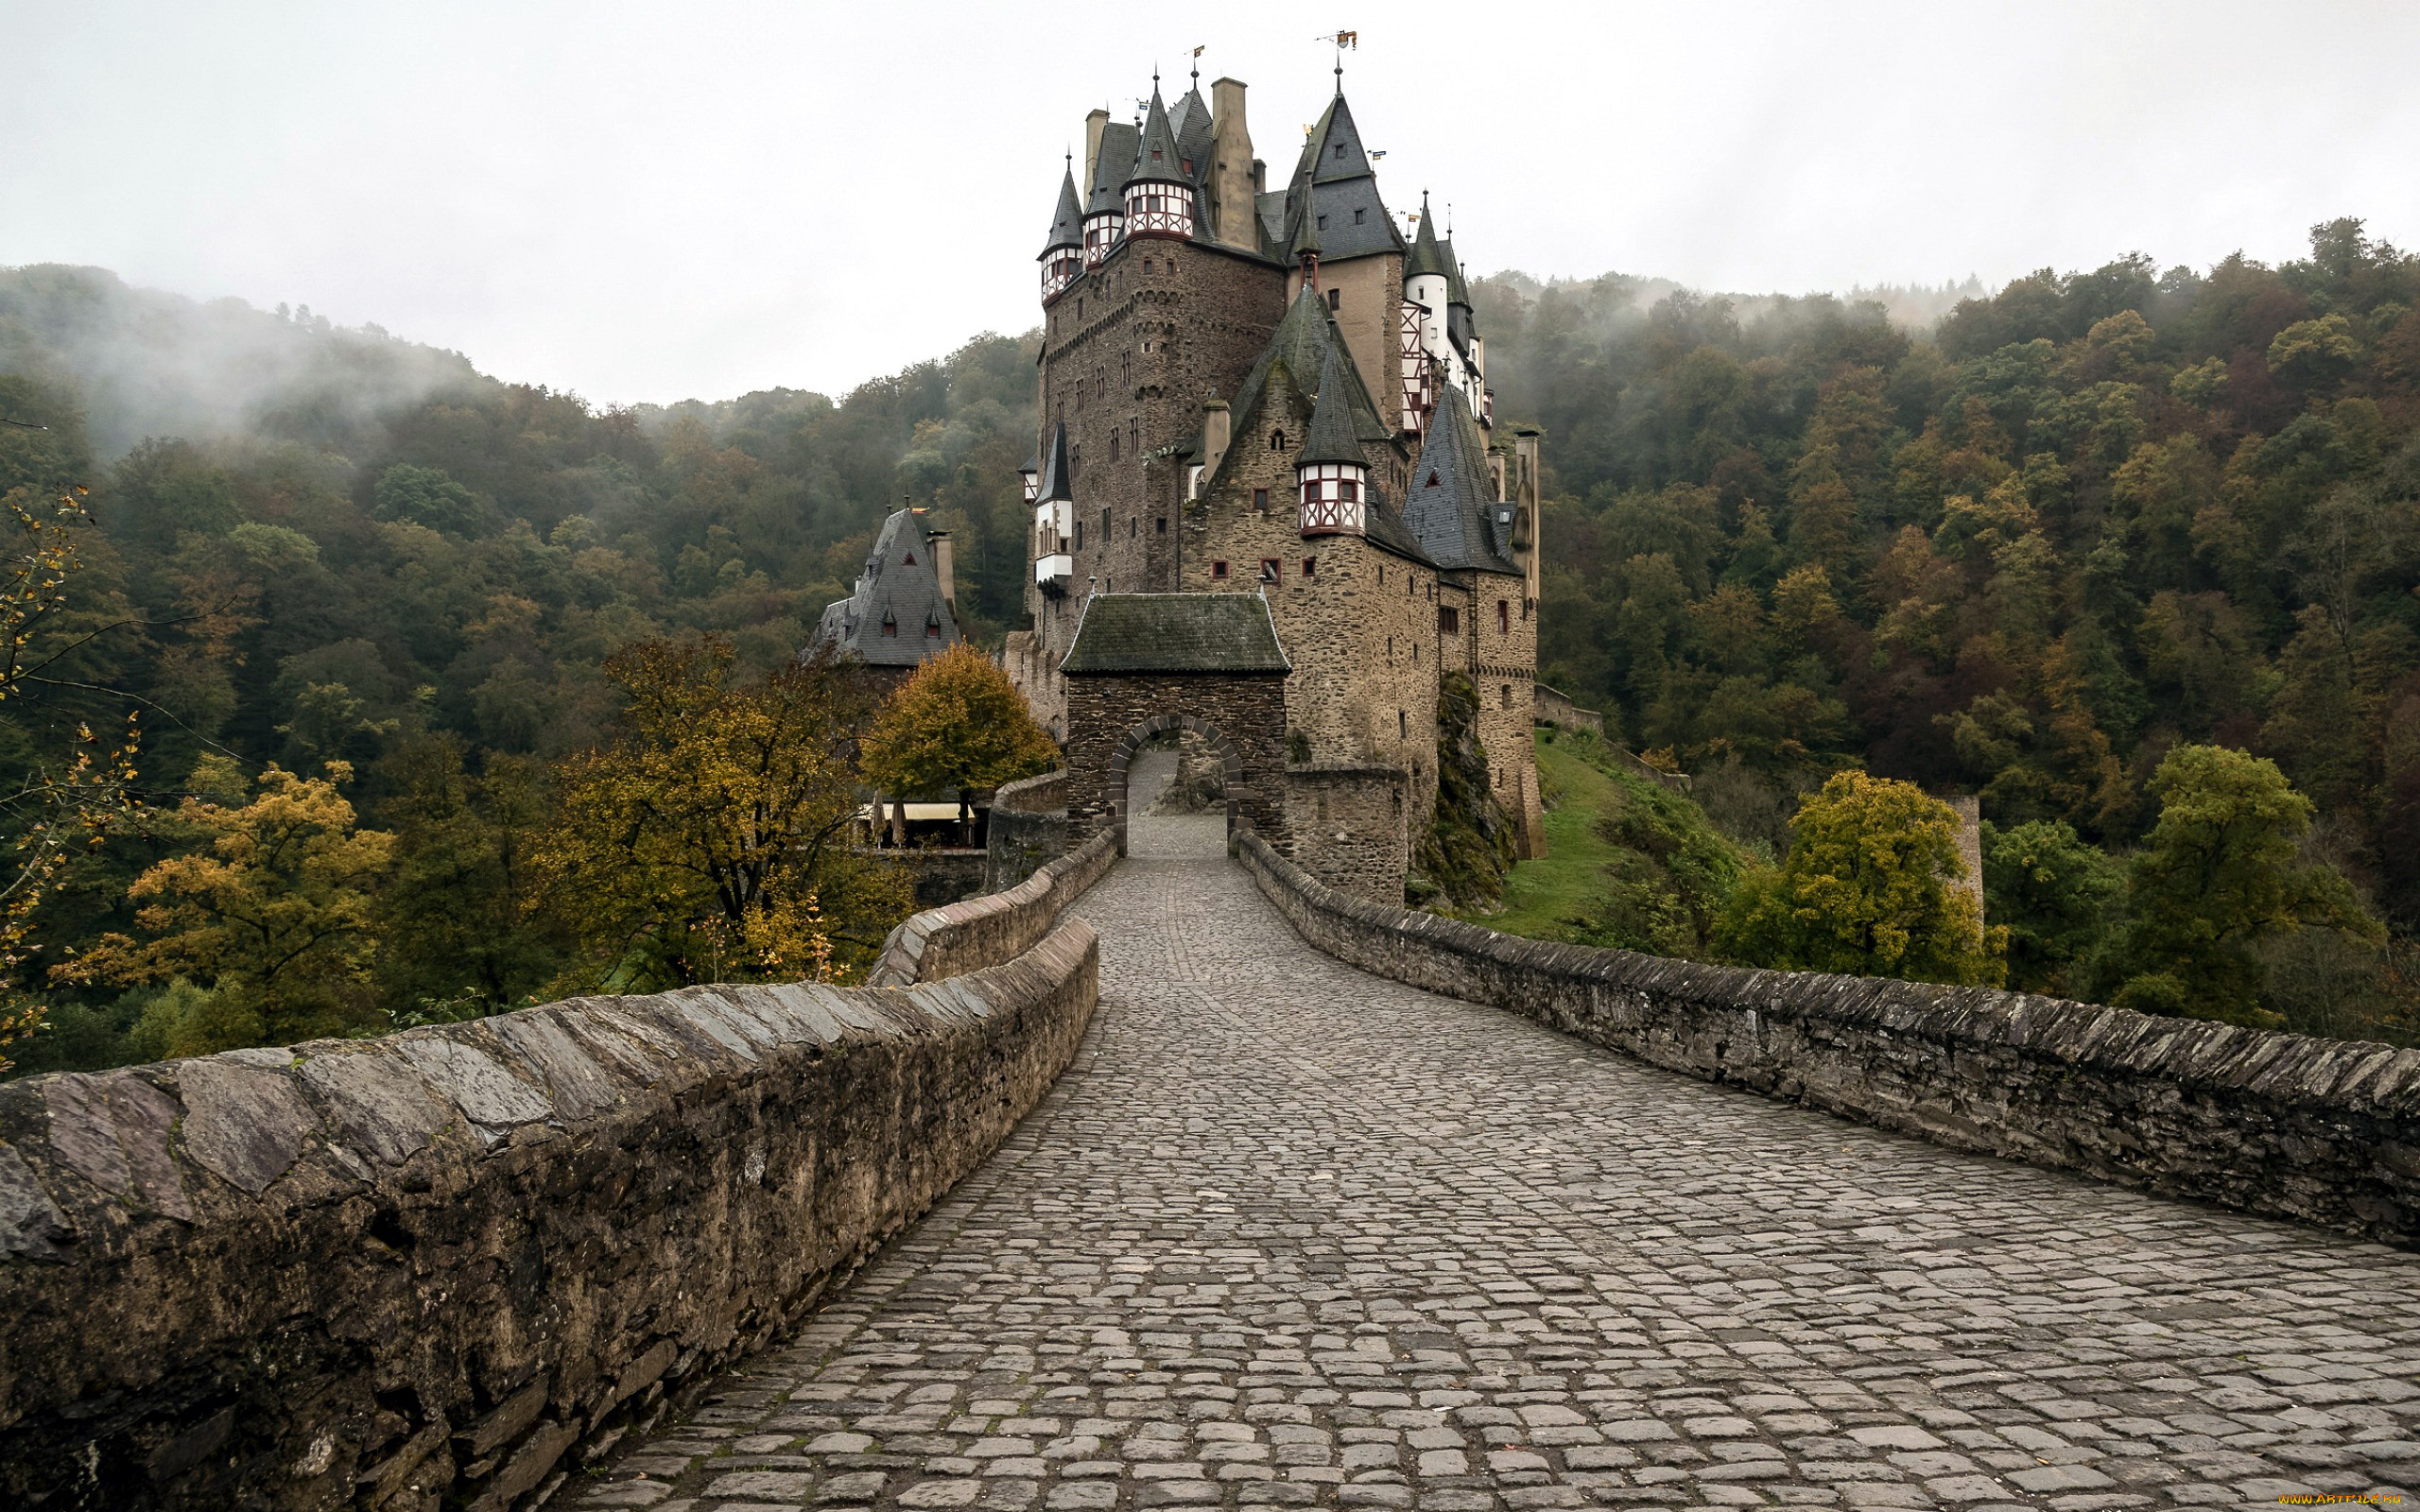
{"x":1054,"y":517}
{"x":1333,"y":470}
{"x":1063,"y":254}
{"x":1105,"y":207}
{"x":1159,"y":190}
{"x":1306,"y":249}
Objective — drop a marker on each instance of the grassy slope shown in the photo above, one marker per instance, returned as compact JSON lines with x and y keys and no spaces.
{"x":1540,"y":894}
{"x":1628,"y":864}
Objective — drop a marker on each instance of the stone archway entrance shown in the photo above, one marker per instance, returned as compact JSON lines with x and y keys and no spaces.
{"x":1131,"y":744}
{"x":1146,"y":664}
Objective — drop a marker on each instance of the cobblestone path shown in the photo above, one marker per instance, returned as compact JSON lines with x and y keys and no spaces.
{"x":1286,"y":1234}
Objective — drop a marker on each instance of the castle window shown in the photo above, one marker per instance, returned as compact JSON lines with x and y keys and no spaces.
{"x":1163,"y":524}
{"x":1382,"y":574}
{"x":1260,"y":498}
{"x":1310,"y":566}
{"x":1339,"y":151}
{"x":889,"y":626}
{"x":1080,"y":535}
{"x":1503,"y":618}
{"x":1218,"y":572}
{"x":1403,"y":725}
{"x":1323,"y":223}
{"x":1134,"y":523}
{"x":1348,"y":489}
{"x":1270,"y":568}
{"x":1105,"y":536}
{"x":909,"y":561}
{"x":1278,"y":441}
{"x":1449,"y":620}
{"x":1146,"y":265}
{"x":1336,"y":298}
{"x":1113,"y":446}
{"x":1360,"y":215}
{"x":932,"y":628}
{"x":1433,"y":480}
{"x":1415,"y":653}
{"x":1508,"y":695}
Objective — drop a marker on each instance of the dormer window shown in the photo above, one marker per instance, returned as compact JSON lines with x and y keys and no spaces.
{"x":932,"y":628}
{"x":1187,"y":163}
{"x":889,"y":626}
{"x":908,"y":561}
{"x":1433,"y":480}
{"x":1360,"y":216}
{"x":1339,"y":150}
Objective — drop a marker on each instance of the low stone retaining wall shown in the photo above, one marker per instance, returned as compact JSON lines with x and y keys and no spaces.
{"x":442,"y":1267}
{"x":2321,"y":1130}
{"x":997,"y":926}
{"x":1028,"y":827}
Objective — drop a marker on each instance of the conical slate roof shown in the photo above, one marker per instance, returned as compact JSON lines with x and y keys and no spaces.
{"x":1426,"y":255}
{"x":1189,"y":118}
{"x":1068,"y":225}
{"x":1451,"y":506}
{"x":1156,"y":160}
{"x":1331,"y":436}
{"x":1456,"y":292}
{"x":1055,"y":472}
{"x":1105,"y":195}
{"x":1307,"y":232}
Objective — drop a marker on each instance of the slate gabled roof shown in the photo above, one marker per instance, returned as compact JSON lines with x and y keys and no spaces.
{"x":1358,"y":222}
{"x":1107,"y":192}
{"x":1175,"y":632}
{"x":899,"y":582}
{"x":1301,"y":342}
{"x":1455,"y":517}
{"x":1067,"y":224}
{"x":1189,"y":118}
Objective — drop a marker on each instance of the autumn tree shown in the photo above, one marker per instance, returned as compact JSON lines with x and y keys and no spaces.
{"x":708,"y":839}
{"x":2222,"y":874}
{"x":269,"y":915}
{"x":958,"y":724}
{"x":1868,"y":890}
{"x":2053,"y":892}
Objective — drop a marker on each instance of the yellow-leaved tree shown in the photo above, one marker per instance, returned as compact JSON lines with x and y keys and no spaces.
{"x":957,"y":726}
{"x":1868,"y":890}
{"x":708,"y":840}
{"x":264,"y":930}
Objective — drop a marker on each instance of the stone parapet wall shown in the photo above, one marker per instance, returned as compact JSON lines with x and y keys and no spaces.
{"x":447,"y":1266}
{"x":2323,"y":1131}
{"x":976,"y":933}
{"x":1033,"y":795}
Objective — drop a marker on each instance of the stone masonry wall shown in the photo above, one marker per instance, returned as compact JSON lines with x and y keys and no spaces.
{"x":1359,"y":629}
{"x":2325,"y":1131}
{"x":1247,"y":711}
{"x":445,"y":1266}
{"x":1350,"y":826}
{"x":976,"y":933}
{"x":1029,"y":829}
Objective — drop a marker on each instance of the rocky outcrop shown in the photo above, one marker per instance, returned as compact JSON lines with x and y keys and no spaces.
{"x":2322,"y":1131}
{"x":445,"y":1266}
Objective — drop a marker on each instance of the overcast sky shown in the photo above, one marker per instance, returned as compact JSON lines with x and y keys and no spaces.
{"x":667,"y":201}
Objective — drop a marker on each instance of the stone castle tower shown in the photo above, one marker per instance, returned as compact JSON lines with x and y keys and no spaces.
{"x":1267,"y":390}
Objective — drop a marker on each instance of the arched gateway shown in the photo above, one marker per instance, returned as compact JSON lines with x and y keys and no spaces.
{"x":1142,"y":664}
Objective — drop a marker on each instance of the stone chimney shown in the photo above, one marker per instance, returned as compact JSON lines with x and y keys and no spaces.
{"x":945,"y":567}
{"x":1213,"y":436}
{"x":1232,"y":180}
{"x":1093,"y":125}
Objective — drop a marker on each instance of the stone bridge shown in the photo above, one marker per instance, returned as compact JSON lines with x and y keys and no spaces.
{"x":1289,"y":1234}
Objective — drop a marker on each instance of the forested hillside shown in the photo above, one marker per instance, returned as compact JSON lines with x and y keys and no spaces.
{"x":2028,"y":551}
{"x":2081,"y":521}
